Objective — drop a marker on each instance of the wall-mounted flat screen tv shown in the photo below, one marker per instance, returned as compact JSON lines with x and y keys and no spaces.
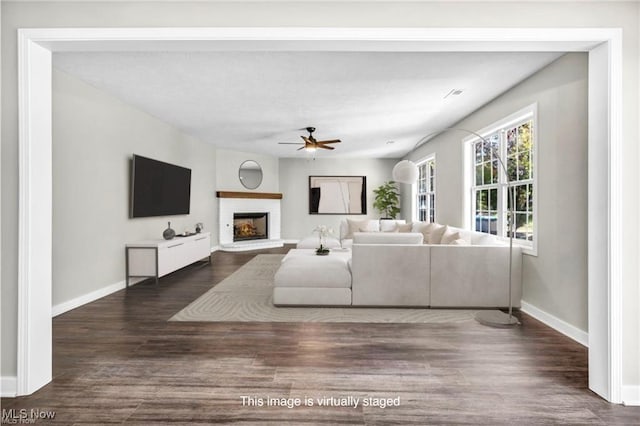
{"x":159,"y":188}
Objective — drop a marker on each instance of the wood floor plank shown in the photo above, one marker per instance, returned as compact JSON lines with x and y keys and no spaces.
{"x":120,"y":361}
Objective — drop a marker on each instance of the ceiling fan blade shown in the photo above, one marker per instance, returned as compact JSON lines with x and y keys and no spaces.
{"x":306,"y":139}
{"x":301,"y":148}
{"x":325,"y":147}
{"x":290,"y":143}
{"x":330,"y":141}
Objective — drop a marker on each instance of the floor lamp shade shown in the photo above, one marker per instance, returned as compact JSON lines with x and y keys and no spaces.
{"x":405,"y":172}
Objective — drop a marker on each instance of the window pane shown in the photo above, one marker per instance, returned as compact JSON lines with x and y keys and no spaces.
{"x":524,"y":165}
{"x":522,"y":198}
{"x":521,"y":226}
{"x":512,"y":167}
{"x":524,"y":137}
{"x":493,"y":222}
{"x":479,"y":175}
{"x":509,"y":194}
{"x":512,"y":139}
{"x":494,"y":171}
{"x":487,"y":173}
{"x":478,"y":149}
{"x":494,"y":140}
{"x":493,"y":199}
{"x":482,"y":203}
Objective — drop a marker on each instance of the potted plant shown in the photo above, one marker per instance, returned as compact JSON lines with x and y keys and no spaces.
{"x":387,"y":200}
{"x":323,"y":232}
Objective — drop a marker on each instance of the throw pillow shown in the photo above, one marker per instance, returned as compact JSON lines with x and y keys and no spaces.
{"x":390,"y":225}
{"x":461,"y":242}
{"x":435,"y":235}
{"x":405,"y":227}
{"x":364,"y":225}
{"x":449,"y":235}
{"x":424,"y":229}
{"x":354,"y":226}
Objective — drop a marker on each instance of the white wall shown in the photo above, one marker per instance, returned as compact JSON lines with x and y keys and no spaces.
{"x":555,"y":280}
{"x":227,"y":165}
{"x":297,"y":223}
{"x":94,"y":137}
{"x":343,"y":14}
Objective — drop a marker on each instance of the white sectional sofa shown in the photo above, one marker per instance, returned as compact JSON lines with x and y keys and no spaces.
{"x":432,"y":265}
{"x":453,"y":268}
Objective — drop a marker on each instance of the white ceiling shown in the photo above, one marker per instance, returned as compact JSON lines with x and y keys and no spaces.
{"x":250,"y":101}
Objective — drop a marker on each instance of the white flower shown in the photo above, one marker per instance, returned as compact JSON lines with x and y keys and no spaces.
{"x":323,"y":230}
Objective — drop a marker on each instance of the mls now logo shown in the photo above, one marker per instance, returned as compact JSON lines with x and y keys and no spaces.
{"x":24,"y":416}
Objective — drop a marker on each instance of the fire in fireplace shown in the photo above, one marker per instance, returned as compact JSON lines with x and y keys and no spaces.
{"x":250,"y":226}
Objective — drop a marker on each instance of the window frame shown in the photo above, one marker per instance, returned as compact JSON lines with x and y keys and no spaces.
{"x":527,"y":113}
{"x":415,"y":210}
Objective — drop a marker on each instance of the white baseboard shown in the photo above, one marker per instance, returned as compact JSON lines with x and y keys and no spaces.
{"x":8,"y":386}
{"x":215,"y":248}
{"x":63,"y":307}
{"x":291,"y":241}
{"x":631,"y":395}
{"x":556,"y":323}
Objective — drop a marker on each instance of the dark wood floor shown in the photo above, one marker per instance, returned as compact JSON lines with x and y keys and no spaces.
{"x":118,"y":360}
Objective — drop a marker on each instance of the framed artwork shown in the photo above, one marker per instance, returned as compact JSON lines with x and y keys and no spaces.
{"x":337,"y":195}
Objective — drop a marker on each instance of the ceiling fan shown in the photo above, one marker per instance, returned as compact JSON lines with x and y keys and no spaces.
{"x":310,"y":143}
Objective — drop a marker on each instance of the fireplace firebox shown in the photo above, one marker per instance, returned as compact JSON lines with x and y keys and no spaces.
{"x":250,"y":226}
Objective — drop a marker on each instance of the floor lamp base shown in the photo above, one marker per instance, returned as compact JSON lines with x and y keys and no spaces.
{"x":496,"y":319}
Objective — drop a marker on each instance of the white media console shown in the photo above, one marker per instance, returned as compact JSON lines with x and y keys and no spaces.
{"x":157,"y":258}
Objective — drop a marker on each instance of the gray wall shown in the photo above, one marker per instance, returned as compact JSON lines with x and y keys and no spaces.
{"x":318,"y":14}
{"x":227,"y":165}
{"x":94,"y":136}
{"x":297,"y":223}
{"x":556,"y":279}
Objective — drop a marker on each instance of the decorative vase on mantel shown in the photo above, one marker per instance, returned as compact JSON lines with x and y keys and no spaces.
{"x":169,"y":233}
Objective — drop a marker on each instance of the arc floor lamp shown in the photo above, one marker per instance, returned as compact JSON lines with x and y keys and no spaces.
{"x":406,"y":171}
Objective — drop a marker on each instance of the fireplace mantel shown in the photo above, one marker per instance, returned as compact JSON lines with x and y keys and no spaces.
{"x":254,"y":195}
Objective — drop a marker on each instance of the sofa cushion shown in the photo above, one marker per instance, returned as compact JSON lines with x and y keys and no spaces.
{"x":390,"y":225}
{"x":450,"y":235}
{"x":355,"y":225}
{"x":314,"y":271}
{"x":405,"y":227}
{"x":387,"y":238}
{"x":436,"y":232}
{"x":423,"y":228}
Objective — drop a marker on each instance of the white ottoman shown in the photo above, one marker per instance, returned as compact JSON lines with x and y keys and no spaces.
{"x":312,"y":242}
{"x":305,"y":279}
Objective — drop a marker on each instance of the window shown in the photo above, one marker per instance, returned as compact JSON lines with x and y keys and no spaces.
{"x":426,"y":191}
{"x":513,"y":140}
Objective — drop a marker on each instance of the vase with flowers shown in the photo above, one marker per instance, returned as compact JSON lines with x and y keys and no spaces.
{"x":323,"y":232}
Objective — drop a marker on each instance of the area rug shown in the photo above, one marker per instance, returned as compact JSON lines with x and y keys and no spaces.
{"x":246,"y":296}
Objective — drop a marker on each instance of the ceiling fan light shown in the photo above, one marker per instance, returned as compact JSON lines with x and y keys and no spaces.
{"x":310,"y":148}
{"x":405,"y":172}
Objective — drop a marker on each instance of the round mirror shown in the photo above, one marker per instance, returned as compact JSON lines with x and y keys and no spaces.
{"x":250,"y":174}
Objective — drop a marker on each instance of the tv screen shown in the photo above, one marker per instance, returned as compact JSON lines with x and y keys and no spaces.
{"x":159,"y":188}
